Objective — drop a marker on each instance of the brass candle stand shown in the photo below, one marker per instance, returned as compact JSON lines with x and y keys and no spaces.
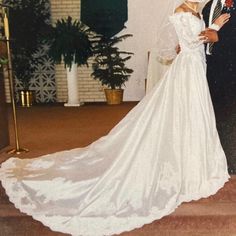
{"x":17,"y":150}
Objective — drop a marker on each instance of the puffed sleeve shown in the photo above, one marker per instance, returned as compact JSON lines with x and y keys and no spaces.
{"x":187,"y":29}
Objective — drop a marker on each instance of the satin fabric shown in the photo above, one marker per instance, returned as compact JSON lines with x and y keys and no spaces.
{"x":164,"y":152}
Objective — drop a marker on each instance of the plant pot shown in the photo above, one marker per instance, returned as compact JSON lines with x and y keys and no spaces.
{"x":3,"y":49}
{"x":114,"y":96}
{"x":26,"y":98}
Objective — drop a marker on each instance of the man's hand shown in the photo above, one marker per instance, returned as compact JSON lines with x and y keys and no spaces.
{"x":209,"y":36}
{"x":222,"y":19}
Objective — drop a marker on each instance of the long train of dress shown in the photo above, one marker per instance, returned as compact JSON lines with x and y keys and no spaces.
{"x":164,"y":152}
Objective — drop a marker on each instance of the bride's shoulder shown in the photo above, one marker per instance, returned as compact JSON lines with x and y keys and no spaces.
{"x":180,"y":16}
{"x":181,"y":8}
{"x":180,"y":12}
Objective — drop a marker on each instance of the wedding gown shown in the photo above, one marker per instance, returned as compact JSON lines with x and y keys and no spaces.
{"x":164,"y":152}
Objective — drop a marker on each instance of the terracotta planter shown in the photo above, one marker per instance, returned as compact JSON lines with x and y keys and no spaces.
{"x":3,"y":49}
{"x":114,"y":96}
{"x":26,"y":98}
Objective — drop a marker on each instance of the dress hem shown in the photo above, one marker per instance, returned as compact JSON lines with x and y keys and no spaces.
{"x":212,"y":187}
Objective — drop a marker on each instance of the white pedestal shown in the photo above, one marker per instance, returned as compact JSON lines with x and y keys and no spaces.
{"x":73,"y":105}
{"x":72,"y":85}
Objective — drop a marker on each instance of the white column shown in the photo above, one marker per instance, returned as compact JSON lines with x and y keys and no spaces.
{"x":72,"y":85}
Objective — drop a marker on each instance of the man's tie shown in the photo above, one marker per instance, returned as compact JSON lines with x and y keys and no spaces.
{"x":216,"y":14}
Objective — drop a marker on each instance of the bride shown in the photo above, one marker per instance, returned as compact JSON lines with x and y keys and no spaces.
{"x":164,"y":152}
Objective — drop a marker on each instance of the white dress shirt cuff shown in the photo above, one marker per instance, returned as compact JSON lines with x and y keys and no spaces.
{"x":214,"y":27}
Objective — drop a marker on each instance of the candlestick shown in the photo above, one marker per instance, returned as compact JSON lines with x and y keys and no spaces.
{"x":6,"y":24}
{"x":17,"y":149}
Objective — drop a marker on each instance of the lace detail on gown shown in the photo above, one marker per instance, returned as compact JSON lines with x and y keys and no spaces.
{"x":164,"y":152}
{"x":188,"y":30}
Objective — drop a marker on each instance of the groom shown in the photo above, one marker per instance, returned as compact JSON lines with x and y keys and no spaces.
{"x":221,"y":56}
{"x":221,"y":72}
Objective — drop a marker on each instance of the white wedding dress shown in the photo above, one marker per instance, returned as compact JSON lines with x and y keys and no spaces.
{"x":164,"y":152}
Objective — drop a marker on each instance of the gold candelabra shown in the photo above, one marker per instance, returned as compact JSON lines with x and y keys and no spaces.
{"x":17,"y":150}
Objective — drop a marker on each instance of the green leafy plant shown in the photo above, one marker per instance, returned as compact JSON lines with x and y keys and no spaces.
{"x":3,"y":61}
{"x":70,"y":42}
{"x":109,"y":65}
{"x":29,"y":19}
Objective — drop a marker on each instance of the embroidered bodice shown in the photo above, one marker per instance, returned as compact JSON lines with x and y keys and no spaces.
{"x":188,"y":27}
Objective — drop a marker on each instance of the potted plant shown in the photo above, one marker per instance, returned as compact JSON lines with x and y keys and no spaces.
{"x":109,"y":66}
{"x":70,"y":43}
{"x":28,"y":20}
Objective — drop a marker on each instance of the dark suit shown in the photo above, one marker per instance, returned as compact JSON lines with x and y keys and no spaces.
{"x":221,"y":75}
{"x":222,"y":62}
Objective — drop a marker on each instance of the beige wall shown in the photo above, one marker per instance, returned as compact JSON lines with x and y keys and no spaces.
{"x":89,"y":89}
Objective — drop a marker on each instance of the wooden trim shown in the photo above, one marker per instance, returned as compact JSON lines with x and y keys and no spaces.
{"x":4,"y":132}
